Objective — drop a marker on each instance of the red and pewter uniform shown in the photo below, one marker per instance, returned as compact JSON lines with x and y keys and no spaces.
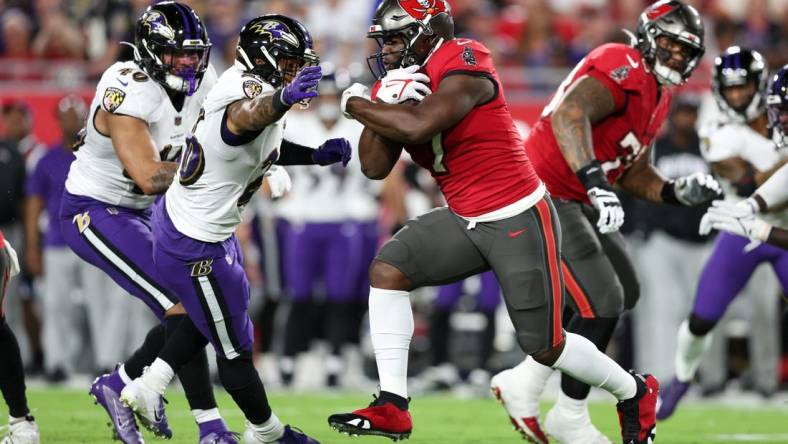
{"x":478,"y":163}
{"x":619,"y":139}
{"x":498,"y":216}
{"x":600,"y":277}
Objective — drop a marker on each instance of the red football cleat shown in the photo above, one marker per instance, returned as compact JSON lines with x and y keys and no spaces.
{"x":638,"y":416}
{"x":379,"y":419}
{"x":528,"y":426}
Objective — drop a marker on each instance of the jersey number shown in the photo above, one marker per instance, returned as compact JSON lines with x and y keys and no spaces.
{"x":632,"y":151}
{"x":192,"y":162}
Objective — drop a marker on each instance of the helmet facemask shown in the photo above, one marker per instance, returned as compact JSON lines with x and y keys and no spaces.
{"x":664,"y":29}
{"x":738,"y":67}
{"x":662,"y":60}
{"x":178,"y":69}
{"x":777,"y":108}
{"x":423,"y":30}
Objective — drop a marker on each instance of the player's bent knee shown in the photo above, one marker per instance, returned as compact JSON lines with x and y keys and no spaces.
{"x":388,"y":277}
{"x":699,"y":326}
{"x":549,"y":357}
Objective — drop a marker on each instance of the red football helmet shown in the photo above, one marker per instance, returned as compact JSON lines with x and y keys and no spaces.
{"x":416,"y":21}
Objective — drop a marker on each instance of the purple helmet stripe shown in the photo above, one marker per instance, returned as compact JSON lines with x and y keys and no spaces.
{"x":187,"y":20}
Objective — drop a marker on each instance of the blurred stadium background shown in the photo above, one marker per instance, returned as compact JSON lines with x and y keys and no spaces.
{"x":53,"y":51}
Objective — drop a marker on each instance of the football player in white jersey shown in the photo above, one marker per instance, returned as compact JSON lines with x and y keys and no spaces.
{"x":740,"y":152}
{"x":135,"y":130}
{"x":324,"y":244}
{"x":739,"y":218}
{"x":237,"y":139}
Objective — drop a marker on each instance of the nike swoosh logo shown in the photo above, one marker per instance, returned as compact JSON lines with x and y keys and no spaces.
{"x":157,"y":415}
{"x":121,"y":425}
{"x":123,"y":83}
{"x":514,"y":234}
{"x":632,"y":62}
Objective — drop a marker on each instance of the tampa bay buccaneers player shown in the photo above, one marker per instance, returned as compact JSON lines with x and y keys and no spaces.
{"x":22,"y":428}
{"x":596,"y":131}
{"x":498,"y":217}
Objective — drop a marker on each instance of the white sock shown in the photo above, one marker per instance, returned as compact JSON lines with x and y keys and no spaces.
{"x":201,"y":416}
{"x":158,"y":376}
{"x":269,"y":431}
{"x":583,"y":361}
{"x":689,"y":352}
{"x":571,"y":407}
{"x":391,"y":329}
{"x":123,"y":375}
{"x":12,"y":420}
{"x":534,"y":377}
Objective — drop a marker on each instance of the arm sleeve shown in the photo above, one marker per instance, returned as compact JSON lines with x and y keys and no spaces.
{"x":775,"y":190}
{"x":295,"y":154}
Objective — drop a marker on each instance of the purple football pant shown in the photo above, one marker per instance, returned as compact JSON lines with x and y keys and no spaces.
{"x":119,"y":241}
{"x":211,"y":283}
{"x":487,"y":299}
{"x":322,"y":253}
{"x":728,"y":270}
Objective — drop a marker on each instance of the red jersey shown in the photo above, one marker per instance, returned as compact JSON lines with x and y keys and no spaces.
{"x":479,"y":163}
{"x":619,"y":139}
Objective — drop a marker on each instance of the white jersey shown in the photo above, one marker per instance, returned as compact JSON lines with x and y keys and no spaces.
{"x":125,"y":89}
{"x":724,"y":140}
{"x":219,"y":172}
{"x":351,"y":196}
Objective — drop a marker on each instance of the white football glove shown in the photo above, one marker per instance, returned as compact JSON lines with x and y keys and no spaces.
{"x":278,"y":181}
{"x":611,"y":214}
{"x":697,"y":189}
{"x":735,"y":218}
{"x":403,"y":84}
{"x":354,"y":90}
{"x":13,"y":256}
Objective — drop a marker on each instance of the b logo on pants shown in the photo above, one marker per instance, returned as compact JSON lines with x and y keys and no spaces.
{"x":202,"y":268}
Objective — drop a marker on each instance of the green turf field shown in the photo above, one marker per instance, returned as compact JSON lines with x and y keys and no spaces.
{"x":68,"y":416}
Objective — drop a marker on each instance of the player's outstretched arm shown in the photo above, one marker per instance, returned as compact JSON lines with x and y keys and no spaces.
{"x":643,"y":180}
{"x":137,"y":152}
{"x":330,"y":152}
{"x":455,"y":98}
{"x":255,"y":114}
{"x":744,"y":177}
{"x":377,"y":154}
{"x":774,"y":192}
{"x":587,"y":102}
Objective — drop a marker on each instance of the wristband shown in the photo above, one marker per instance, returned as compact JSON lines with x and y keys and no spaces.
{"x":279,"y":105}
{"x":668,"y":193}
{"x":592,"y":176}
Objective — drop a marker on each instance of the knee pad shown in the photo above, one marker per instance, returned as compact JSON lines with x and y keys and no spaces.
{"x":699,"y":326}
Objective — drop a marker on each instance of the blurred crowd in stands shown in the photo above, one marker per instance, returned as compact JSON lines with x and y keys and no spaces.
{"x":521,"y":33}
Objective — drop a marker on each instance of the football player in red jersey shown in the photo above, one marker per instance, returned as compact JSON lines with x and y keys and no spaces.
{"x":498,"y":217}
{"x":596,"y":131}
{"x":22,"y":428}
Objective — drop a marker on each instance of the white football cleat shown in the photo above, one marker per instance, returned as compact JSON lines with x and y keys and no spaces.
{"x":512,"y":392}
{"x":148,"y":406}
{"x":568,"y":429}
{"x":23,"y":432}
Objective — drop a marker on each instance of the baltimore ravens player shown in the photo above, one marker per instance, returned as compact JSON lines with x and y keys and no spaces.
{"x":135,"y":130}
{"x":22,"y":427}
{"x":237,"y":139}
{"x":740,"y":151}
{"x":596,"y":131}
{"x":739,"y":218}
{"x":499,"y":216}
